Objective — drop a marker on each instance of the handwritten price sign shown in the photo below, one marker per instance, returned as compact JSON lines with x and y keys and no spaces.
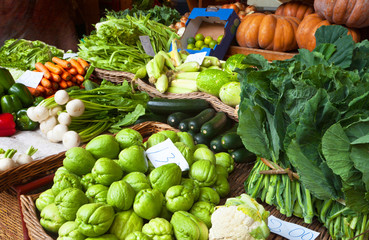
{"x":290,"y":231}
{"x":164,"y":153}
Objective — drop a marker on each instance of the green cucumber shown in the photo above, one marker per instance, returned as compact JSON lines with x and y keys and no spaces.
{"x":231,"y":140}
{"x":168,"y":106}
{"x":151,"y":117}
{"x":201,"y":139}
{"x":183,"y":125}
{"x":216,"y":144}
{"x":215,"y":125}
{"x":197,"y":121}
{"x":175,"y":118}
{"x":242,"y":155}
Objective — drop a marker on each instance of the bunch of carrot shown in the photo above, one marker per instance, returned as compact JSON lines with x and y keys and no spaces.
{"x":59,"y":74}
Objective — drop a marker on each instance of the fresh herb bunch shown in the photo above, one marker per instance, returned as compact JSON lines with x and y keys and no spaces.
{"x":310,"y":114}
{"x":24,"y":54}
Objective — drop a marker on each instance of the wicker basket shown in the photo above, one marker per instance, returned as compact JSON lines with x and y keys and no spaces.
{"x":214,"y":101}
{"x":113,"y":76}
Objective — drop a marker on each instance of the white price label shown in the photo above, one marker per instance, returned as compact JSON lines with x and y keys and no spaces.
{"x":164,"y":153}
{"x":69,"y":55}
{"x":290,"y":231}
{"x":197,"y":57}
{"x":146,"y":44}
{"x":30,"y":79}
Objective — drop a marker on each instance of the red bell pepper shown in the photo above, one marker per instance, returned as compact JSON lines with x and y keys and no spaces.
{"x":7,"y":125}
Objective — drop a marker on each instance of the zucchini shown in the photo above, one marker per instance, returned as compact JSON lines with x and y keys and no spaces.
{"x":231,"y":140}
{"x":242,"y":155}
{"x":197,"y":121}
{"x":215,"y":125}
{"x":201,"y":139}
{"x":168,"y":106}
{"x":183,"y":125}
{"x":216,"y":144}
{"x":151,"y":117}
{"x":175,"y":118}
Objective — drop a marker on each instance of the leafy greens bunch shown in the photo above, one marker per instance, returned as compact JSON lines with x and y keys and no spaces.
{"x":310,"y":114}
{"x":115,"y":45}
{"x":23,"y":54}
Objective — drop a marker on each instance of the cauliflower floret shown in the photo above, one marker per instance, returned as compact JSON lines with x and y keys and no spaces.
{"x":230,"y":223}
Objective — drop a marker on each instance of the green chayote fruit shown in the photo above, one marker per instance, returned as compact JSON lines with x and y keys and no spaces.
{"x":170,"y":134}
{"x":45,"y":198}
{"x":69,"y":201}
{"x":137,"y":180}
{"x":187,"y":139}
{"x":133,"y":159}
{"x":128,"y":137}
{"x":225,"y":159}
{"x":94,"y":219}
{"x":203,"y":211}
{"x":208,"y":194}
{"x":120,"y":195}
{"x":60,"y":172}
{"x":197,"y":146}
{"x":188,"y":227}
{"x":138,"y":236}
{"x":158,"y":229}
{"x":179,"y":198}
{"x":193,"y":186}
{"x":221,"y":185}
{"x":220,"y":170}
{"x":103,"y":146}
{"x":154,"y":139}
{"x":66,"y":181}
{"x":186,"y":152}
{"x":165,"y":176}
{"x":69,"y":231}
{"x":87,"y":181}
{"x":125,"y":223}
{"x":204,"y":154}
{"x":203,"y":172}
{"x":104,"y":237}
{"x":148,"y":203}
{"x":78,"y":161}
{"x":51,"y":219}
{"x":97,"y":193}
{"x":165,"y":213}
{"x":106,"y":171}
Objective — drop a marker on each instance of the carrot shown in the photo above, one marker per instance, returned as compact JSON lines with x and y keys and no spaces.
{"x":83,"y":63}
{"x":72,"y":71}
{"x":65,"y":64}
{"x":53,"y":68}
{"x":63,"y":84}
{"x":40,"y":67}
{"x":78,"y":66}
{"x":73,"y":79}
{"x":34,"y":91}
{"x":70,"y":83}
{"x":49,"y":91}
{"x":55,"y":77}
{"x":80,"y":78}
{"x":46,"y":83}
{"x":65,"y":75}
{"x":41,"y":89}
{"x":54,"y":86}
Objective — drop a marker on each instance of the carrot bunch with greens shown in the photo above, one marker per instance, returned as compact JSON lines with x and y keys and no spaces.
{"x":60,"y":74}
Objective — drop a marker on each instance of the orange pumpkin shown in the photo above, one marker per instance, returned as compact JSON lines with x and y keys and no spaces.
{"x":268,"y":31}
{"x":294,"y":9}
{"x":352,"y":13}
{"x":305,"y":34}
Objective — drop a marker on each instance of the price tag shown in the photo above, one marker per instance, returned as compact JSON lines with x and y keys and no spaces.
{"x":197,"y":57}
{"x":290,"y":231}
{"x":69,"y":55}
{"x":164,"y":153}
{"x":146,"y":44}
{"x":30,"y":79}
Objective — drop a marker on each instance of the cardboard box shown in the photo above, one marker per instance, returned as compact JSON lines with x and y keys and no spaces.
{"x":211,"y":22}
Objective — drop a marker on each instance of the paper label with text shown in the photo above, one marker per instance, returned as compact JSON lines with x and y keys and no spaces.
{"x":30,"y":79}
{"x":197,"y":57}
{"x":146,"y":44}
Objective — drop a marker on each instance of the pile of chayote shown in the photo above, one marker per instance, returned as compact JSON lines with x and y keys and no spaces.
{"x":109,"y":190}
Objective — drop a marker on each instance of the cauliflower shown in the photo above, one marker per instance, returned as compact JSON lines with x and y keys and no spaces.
{"x":242,"y":218}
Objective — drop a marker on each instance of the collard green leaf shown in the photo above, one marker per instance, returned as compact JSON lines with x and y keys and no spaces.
{"x":360,"y":58}
{"x":256,"y":60}
{"x":360,"y":155}
{"x":355,"y":198}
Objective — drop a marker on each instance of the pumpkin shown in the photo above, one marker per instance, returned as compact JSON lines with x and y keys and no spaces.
{"x":268,"y":31}
{"x":352,"y":13}
{"x":294,"y":9}
{"x":305,"y":34}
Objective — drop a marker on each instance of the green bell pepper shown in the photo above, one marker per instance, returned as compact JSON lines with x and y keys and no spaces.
{"x":10,"y":104}
{"x":37,"y":100}
{"x":24,"y":123}
{"x":6,"y":79}
{"x":2,"y":91}
{"x":22,"y":92}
